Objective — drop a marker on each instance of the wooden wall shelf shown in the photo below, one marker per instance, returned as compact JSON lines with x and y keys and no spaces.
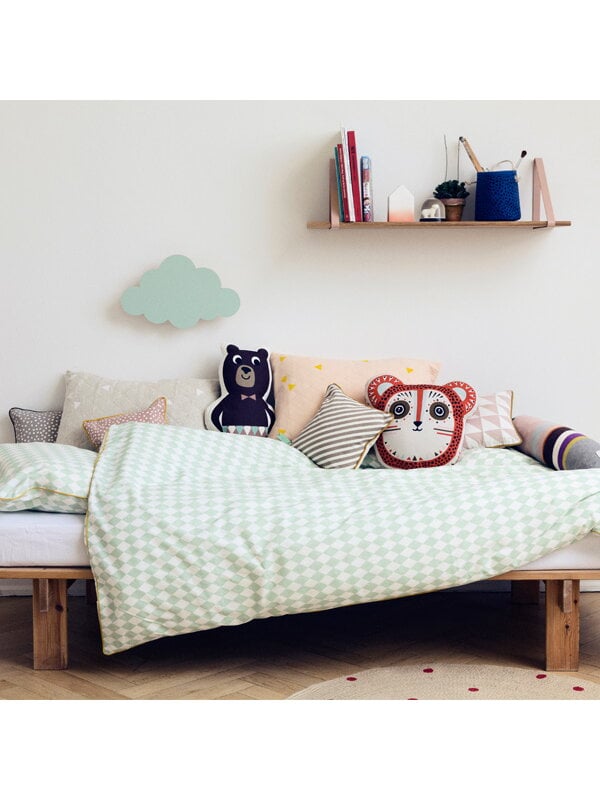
{"x":559,"y":223}
{"x":540,"y":193}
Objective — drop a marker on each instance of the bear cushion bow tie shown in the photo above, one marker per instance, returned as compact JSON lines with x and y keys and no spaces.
{"x":248,"y":397}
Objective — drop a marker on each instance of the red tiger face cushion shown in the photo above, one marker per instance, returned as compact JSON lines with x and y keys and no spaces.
{"x":428,"y":425}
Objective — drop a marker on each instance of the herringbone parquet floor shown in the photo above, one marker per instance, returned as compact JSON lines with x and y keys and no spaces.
{"x":271,"y":659}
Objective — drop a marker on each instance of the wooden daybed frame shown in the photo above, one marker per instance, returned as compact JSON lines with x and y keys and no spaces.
{"x":50,"y":584}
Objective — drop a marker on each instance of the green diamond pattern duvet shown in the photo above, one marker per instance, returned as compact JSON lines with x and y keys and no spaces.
{"x":189,"y":530}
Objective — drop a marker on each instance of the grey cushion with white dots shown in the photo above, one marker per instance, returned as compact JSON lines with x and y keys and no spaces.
{"x":34,"y":426}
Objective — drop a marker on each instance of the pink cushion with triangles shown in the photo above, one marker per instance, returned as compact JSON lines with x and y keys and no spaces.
{"x":490,"y":424}
{"x":156,"y":414}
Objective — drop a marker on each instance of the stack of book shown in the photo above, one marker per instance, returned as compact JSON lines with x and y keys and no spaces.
{"x":353,"y":180}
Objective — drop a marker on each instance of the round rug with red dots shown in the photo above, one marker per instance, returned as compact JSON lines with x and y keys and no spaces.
{"x":452,"y":682}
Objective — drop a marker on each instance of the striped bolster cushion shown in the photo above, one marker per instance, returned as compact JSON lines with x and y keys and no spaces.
{"x":556,"y":446}
{"x":341,"y":432}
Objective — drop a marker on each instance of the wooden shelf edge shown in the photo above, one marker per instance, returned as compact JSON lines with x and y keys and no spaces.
{"x":533,"y":224}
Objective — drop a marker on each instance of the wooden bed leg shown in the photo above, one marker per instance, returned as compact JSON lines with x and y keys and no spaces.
{"x":525,"y":592}
{"x":562,"y":625}
{"x":50,"y":623}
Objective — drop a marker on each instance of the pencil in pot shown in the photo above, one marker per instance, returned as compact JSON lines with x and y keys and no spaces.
{"x":475,"y":161}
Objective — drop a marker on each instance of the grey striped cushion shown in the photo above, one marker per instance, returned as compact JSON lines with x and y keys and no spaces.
{"x":341,"y":432}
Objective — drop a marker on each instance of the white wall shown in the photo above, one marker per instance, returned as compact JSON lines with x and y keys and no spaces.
{"x":92,"y":194}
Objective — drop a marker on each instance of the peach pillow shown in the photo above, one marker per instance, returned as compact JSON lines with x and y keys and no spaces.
{"x":300,"y":383}
{"x":156,"y":413}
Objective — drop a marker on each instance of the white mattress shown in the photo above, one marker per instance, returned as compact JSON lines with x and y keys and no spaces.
{"x":37,"y":538}
{"x":41,"y":539}
{"x":584,"y":554}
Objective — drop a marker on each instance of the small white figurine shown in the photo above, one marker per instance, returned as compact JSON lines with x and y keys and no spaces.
{"x":432,"y":211}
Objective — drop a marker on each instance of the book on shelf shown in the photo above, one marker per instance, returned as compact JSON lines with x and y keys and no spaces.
{"x":367,"y":189}
{"x":353,"y":174}
{"x":342,"y":188}
{"x":349,"y":187}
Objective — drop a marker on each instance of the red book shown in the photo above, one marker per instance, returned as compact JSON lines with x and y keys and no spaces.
{"x":355,"y":176}
{"x":343,"y":184}
{"x":346,"y":152}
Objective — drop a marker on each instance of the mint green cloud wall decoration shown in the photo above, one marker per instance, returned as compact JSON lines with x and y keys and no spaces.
{"x":180,"y":293}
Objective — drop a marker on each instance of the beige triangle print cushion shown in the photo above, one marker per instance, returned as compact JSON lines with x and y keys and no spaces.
{"x":490,"y":424}
{"x":300,"y":383}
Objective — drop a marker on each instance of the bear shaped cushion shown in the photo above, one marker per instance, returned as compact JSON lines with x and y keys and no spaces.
{"x":244,"y":405}
{"x":428,"y":426}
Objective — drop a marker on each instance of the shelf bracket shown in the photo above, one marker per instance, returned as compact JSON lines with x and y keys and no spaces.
{"x":334,"y":201}
{"x":540,"y":190}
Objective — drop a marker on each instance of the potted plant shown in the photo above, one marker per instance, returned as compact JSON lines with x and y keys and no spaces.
{"x":453,"y":195}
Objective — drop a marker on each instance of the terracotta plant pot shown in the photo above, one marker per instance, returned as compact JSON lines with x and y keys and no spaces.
{"x":454,"y":208}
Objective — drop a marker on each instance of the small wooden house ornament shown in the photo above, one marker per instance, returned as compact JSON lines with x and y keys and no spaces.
{"x":401,"y":206}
